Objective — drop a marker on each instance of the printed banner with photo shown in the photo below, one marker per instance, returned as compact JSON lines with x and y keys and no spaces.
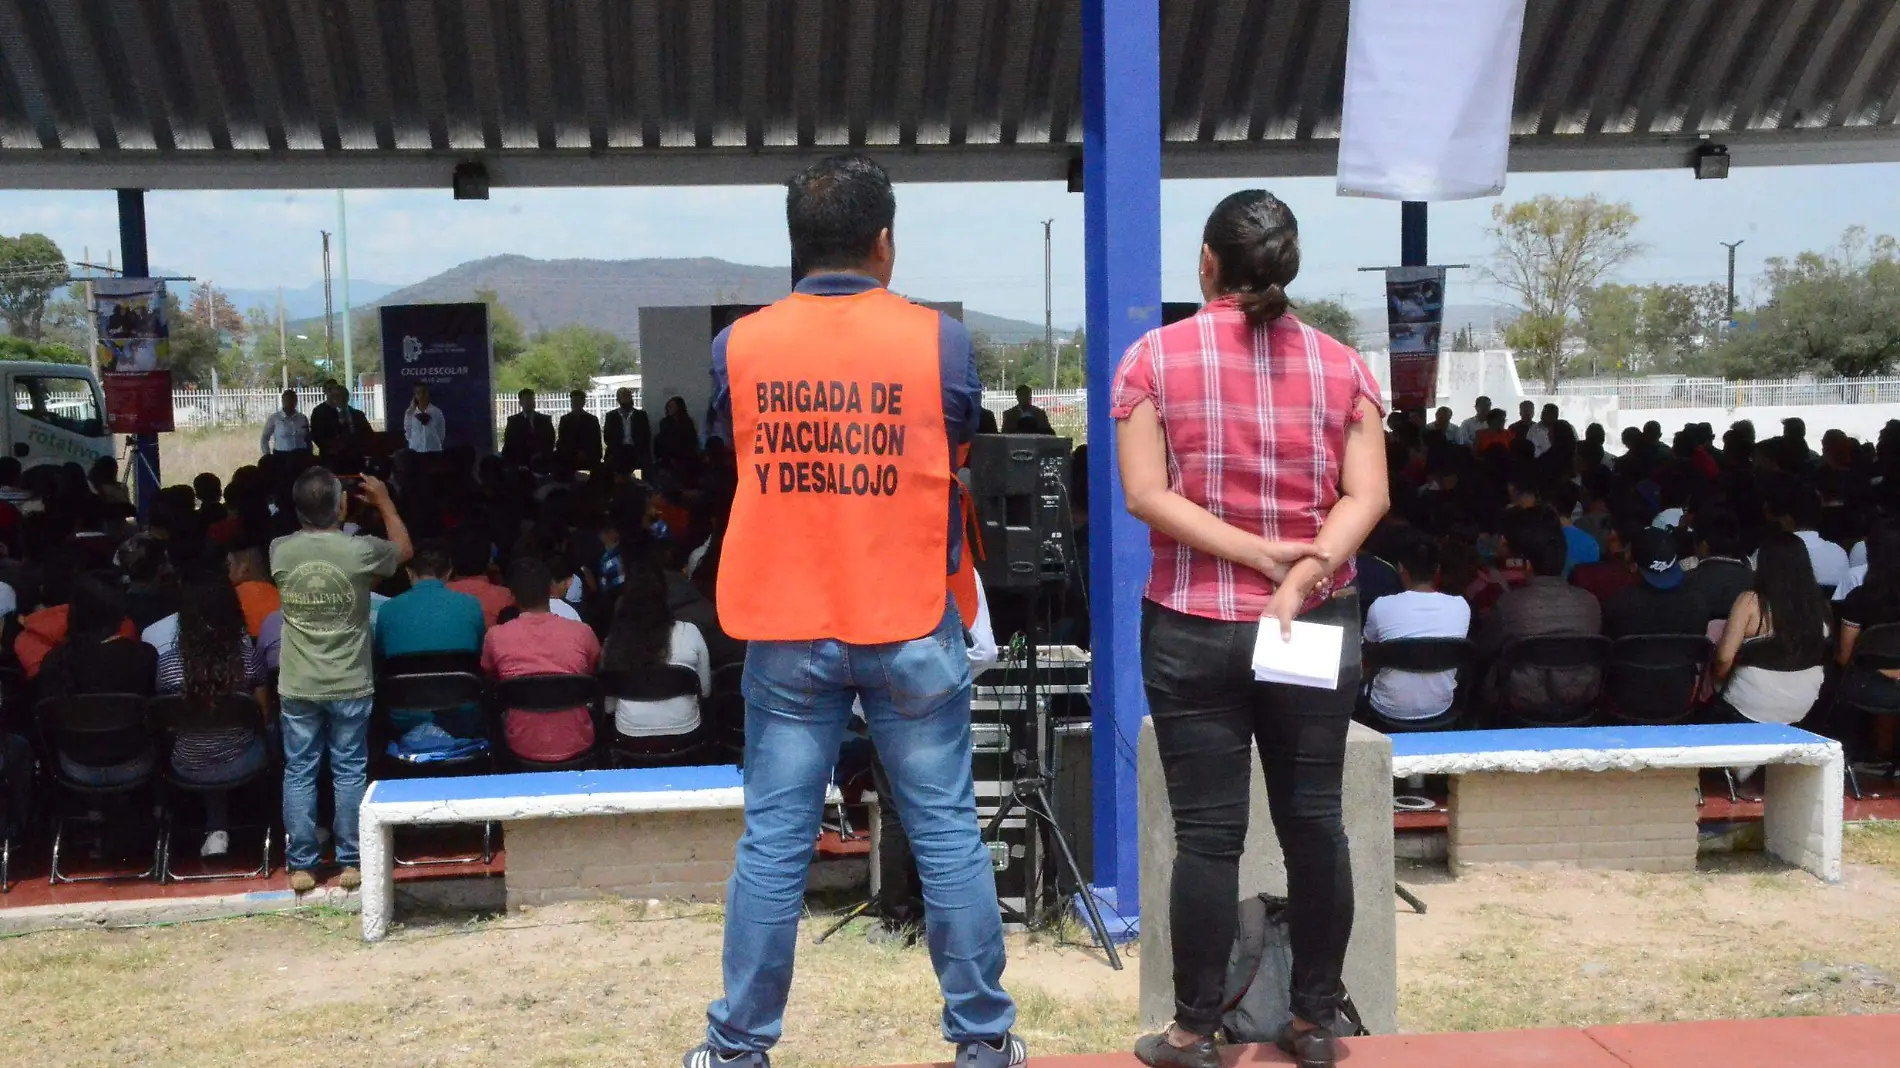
{"x":444,"y":347}
{"x":1415,"y":315}
{"x":134,"y":354}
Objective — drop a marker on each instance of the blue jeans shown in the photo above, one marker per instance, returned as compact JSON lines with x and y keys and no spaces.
{"x":916,"y":698}
{"x":311,"y":727}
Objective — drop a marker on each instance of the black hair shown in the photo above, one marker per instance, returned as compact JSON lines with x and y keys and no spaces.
{"x":1256,"y":243}
{"x":9,"y":471}
{"x":432,"y":560}
{"x":98,"y":608}
{"x":1883,"y":565}
{"x":642,"y":631}
{"x":1419,"y":556}
{"x":528,"y":580}
{"x":1791,"y":603}
{"x":1720,"y":530}
{"x":1563,"y":497}
{"x":207,"y":488}
{"x":1539,"y":539}
{"x":469,"y":555}
{"x":211,"y":633}
{"x":834,"y":210}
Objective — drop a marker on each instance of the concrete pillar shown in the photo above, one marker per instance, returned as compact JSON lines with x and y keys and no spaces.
{"x":1372,"y":957}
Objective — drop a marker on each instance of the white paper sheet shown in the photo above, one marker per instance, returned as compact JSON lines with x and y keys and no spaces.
{"x":1428,"y":100}
{"x":1311,"y":658}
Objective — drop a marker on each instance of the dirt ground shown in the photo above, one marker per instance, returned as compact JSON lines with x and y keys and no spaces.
{"x":619,"y":983}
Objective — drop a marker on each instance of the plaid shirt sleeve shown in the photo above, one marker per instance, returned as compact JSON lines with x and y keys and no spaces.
{"x":1135,"y":380}
{"x":1367,"y":387}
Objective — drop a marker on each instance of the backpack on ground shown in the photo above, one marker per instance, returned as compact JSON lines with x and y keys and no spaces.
{"x":1259,"y":1001}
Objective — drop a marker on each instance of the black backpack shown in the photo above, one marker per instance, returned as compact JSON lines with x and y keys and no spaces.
{"x":1260,"y":976}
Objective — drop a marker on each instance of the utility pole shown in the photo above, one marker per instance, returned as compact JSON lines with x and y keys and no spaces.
{"x":1048,"y":302}
{"x":283,"y":343}
{"x":1731,"y":276}
{"x":329,"y":311}
{"x":92,"y":318}
{"x":343,"y":265}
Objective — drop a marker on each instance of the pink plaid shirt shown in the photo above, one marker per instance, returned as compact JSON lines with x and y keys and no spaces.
{"x":1256,"y":427}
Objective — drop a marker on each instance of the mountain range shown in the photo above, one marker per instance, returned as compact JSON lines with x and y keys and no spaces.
{"x":604,"y":294}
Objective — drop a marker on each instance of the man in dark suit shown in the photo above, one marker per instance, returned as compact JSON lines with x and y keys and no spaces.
{"x":1026,"y":418}
{"x":337,"y":430}
{"x":578,"y":440}
{"x":528,"y":434}
{"x":629,"y":435}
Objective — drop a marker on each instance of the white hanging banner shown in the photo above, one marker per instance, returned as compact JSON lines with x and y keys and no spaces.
{"x":1428,"y":98}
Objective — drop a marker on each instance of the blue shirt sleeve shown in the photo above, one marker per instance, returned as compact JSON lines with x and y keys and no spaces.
{"x":962,"y":390}
{"x":719,"y":411}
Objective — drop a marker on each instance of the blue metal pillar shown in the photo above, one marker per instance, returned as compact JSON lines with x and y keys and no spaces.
{"x":132,"y":253}
{"x":1412,"y":231}
{"x":1121,"y":190}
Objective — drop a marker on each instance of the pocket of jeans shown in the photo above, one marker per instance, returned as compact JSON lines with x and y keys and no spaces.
{"x":922,"y":673}
{"x":779,"y":675}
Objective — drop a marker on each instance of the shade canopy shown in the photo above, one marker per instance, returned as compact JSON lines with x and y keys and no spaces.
{"x":392,"y":93}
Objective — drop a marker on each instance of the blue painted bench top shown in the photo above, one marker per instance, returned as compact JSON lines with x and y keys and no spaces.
{"x":1442,"y":743}
{"x":558,"y":784}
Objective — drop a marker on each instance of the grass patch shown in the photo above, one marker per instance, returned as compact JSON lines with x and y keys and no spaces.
{"x":1875,"y":842}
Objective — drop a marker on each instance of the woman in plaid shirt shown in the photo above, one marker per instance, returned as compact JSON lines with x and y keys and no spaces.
{"x":1251,"y":445}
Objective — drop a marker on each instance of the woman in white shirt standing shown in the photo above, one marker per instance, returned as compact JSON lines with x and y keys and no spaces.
{"x":645,"y":635}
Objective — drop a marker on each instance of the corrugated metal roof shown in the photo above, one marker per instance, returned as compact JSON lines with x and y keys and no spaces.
{"x":348,"y":92}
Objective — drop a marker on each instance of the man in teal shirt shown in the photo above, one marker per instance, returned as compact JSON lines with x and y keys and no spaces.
{"x":431,"y":618}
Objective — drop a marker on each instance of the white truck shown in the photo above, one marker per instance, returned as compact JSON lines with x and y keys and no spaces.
{"x":58,"y":414}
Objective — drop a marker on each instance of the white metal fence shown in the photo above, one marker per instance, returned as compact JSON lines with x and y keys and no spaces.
{"x":1666,"y":392}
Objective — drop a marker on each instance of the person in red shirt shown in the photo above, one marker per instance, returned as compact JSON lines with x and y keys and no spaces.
{"x":537,"y":642}
{"x":469,"y":556}
{"x":1613,"y":573}
{"x":1250,"y":445}
{"x":249,"y":572}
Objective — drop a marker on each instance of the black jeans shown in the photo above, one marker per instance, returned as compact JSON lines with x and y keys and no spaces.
{"x":1209,"y":713}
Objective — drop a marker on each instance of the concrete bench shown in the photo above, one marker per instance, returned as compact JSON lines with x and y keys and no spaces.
{"x":1624,"y":797}
{"x":648,"y":832}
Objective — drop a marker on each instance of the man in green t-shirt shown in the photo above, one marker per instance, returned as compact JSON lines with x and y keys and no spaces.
{"x":327,"y":681}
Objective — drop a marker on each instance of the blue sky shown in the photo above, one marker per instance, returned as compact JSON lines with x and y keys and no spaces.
{"x":981,"y":244}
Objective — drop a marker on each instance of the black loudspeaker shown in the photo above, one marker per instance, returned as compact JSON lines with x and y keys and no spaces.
{"x":1020,"y":483}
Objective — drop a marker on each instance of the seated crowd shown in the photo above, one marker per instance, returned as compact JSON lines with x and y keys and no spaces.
{"x":309,"y":578}
{"x":1780,"y":557}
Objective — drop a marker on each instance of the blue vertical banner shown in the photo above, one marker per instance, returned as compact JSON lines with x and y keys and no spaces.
{"x":444,"y":347}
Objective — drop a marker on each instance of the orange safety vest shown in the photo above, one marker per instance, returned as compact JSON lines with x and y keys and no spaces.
{"x":839,"y":528}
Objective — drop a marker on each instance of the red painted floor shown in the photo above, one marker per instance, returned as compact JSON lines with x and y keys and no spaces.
{"x":1815,"y":1042}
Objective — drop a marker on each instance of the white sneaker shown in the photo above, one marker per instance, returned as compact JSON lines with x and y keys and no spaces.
{"x":217,"y":844}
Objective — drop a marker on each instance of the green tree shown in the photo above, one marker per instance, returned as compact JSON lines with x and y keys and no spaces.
{"x":1832,"y":312}
{"x":1611,"y":318}
{"x":566,"y":358}
{"x":19,"y":348}
{"x":1329,"y":316}
{"x":1464,"y":340}
{"x":505,"y":333}
{"x":32,"y":269}
{"x":1549,"y":252}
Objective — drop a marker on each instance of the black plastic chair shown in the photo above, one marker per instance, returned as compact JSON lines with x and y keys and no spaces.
{"x":1564,"y":674}
{"x":1653,"y":678}
{"x":662,"y":682}
{"x":104,"y":729}
{"x":726,"y":710}
{"x":1877,"y":649}
{"x":1419,"y":656}
{"x":173,"y":716}
{"x":434,"y":682}
{"x":534,"y":695}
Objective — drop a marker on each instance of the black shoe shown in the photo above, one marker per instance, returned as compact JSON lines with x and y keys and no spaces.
{"x":1157,"y":1052}
{"x":1007,"y":1052}
{"x":1316,"y":1048}
{"x":707,"y":1057}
